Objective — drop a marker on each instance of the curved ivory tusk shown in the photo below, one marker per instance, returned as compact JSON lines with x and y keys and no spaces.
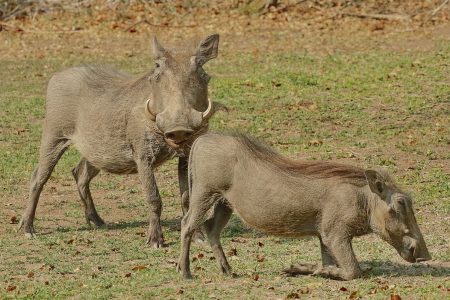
{"x":151,"y":115}
{"x":209,"y":111}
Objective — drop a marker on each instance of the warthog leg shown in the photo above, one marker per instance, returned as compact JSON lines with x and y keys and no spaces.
{"x":336,"y":252}
{"x":184,"y":192}
{"x":155,"y":237}
{"x":341,"y":249}
{"x":83,"y":173}
{"x":213,"y":227}
{"x":200,"y":203}
{"x":327,"y":258}
{"x":301,"y":269}
{"x":52,"y":148}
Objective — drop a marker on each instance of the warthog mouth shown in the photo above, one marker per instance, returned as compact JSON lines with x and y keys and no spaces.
{"x":185,"y":144}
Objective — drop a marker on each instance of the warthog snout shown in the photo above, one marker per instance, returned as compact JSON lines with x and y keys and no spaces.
{"x":196,"y":122}
{"x":178,"y":134}
{"x":414,"y":250}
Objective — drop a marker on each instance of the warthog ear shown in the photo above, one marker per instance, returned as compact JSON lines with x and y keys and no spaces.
{"x":207,"y":49}
{"x":158,"y":49}
{"x":376,"y":183}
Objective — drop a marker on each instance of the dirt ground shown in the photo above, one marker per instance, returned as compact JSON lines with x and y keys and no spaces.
{"x":103,"y":32}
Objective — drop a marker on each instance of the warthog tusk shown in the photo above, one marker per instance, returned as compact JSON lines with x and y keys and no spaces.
{"x":209,"y":111}
{"x":151,"y":115}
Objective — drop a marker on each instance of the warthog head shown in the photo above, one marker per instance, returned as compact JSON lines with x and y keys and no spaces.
{"x":394,"y":220}
{"x":179,"y":101}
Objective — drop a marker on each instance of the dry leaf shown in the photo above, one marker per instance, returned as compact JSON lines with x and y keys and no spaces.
{"x":260,"y":244}
{"x":293,"y":295}
{"x":353,"y":295}
{"x":304,"y":290}
{"x":128,"y":275}
{"x":232,"y":252}
{"x":11,"y":288}
{"x":200,"y":255}
{"x":315,"y":142}
{"x":255,"y":277}
{"x":395,"y":297}
{"x":30,"y":274}
{"x":343,"y":289}
{"x":180,"y":291}
{"x":260,"y":258}
{"x":137,"y":268}
{"x":239,"y":240}
{"x":14,"y":220}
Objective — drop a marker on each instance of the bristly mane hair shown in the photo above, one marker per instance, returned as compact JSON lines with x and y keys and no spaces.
{"x":317,"y":169}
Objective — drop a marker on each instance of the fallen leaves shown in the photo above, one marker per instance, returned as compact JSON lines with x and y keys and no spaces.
{"x":138,"y":268}
{"x":260,"y":258}
{"x":13,"y":220}
{"x":395,"y":297}
{"x":315,"y":142}
{"x":11,"y":288}
{"x":232,"y":252}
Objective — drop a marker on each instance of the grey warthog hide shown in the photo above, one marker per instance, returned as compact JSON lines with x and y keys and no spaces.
{"x":273,"y":194}
{"x":125,"y":124}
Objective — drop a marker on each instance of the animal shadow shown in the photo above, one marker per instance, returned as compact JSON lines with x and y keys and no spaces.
{"x":379,"y":268}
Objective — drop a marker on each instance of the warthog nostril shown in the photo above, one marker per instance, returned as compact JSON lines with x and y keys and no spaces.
{"x":178,"y":135}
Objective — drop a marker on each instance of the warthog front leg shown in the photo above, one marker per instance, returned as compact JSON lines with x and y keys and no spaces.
{"x":52,"y":148}
{"x":339,"y":248}
{"x":155,"y":236}
{"x":327,"y":258}
{"x":184,"y":192}
{"x":347,"y":266}
{"x":83,"y":173}
{"x":301,"y":269}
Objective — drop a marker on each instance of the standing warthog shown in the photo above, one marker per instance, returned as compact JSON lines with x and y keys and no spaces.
{"x":279,"y":196}
{"x":123,"y":124}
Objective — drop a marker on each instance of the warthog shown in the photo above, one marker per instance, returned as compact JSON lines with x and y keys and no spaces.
{"x":124,"y":124}
{"x":334,"y":202}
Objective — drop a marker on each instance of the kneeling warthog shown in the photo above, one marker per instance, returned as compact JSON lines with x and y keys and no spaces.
{"x":124,"y":124}
{"x":334,"y":202}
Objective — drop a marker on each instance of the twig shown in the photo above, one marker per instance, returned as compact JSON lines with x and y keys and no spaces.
{"x":157,"y":25}
{"x":378,"y":16}
{"x":439,"y":8}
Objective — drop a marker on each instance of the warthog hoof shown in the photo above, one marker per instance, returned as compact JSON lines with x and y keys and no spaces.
{"x":155,"y":238}
{"x":94,"y":218}
{"x":28,"y":228}
{"x":198,"y":237}
{"x":186,"y":274}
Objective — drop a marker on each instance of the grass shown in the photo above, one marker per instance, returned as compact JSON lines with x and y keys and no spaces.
{"x":370,"y":109}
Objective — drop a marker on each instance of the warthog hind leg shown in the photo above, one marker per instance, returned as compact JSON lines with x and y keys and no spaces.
{"x":213,"y":227}
{"x":52,"y":148}
{"x":192,"y":221}
{"x":184,"y":192}
{"x":83,"y":173}
{"x":301,"y":269}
